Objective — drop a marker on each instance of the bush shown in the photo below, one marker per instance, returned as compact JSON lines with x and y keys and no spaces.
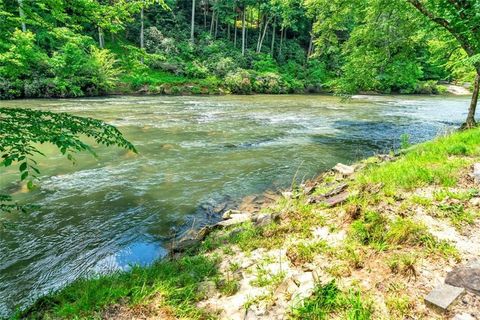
{"x":239,"y":82}
{"x":224,"y":66}
{"x":196,"y":70}
{"x":268,"y":82}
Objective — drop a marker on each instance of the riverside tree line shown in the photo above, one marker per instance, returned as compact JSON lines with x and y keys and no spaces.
{"x":68,"y":48}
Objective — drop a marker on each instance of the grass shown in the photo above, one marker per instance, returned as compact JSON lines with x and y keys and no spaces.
{"x":328,"y":299}
{"x":176,"y":281}
{"x":435,"y":162}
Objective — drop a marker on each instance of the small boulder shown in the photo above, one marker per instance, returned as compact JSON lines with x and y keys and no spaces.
{"x":463,"y":316}
{"x":467,"y":277}
{"x":236,"y":218}
{"x":443,"y":296}
{"x":263,"y":220}
{"x":337,"y":199}
{"x":476,"y":173}
{"x":344,"y":169}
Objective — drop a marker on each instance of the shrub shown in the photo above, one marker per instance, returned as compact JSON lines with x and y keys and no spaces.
{"x":196,"y":70}
{"x":268,"y":82}
{"x":224,"y":66}
{"x":239,"y":82}
{"x":106,"y":71}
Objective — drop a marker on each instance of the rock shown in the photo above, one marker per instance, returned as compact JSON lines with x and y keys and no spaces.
{"x":287,"y":194}
{"x":337,"y":199}
{"x":330,"y":194}
{"x":207,"y":289}
{"x":344,"y":169}
{"x":288,"y":287}
{"x":228,"y":214}
{"x":236,"y":218}
{"x":475,"y":201}
{"x":443,"y":296}
{"x":189,"y":239}
{"x":476,"y":172}
{"x":467,"y":277}
{"x":463,"y":316}
{"x":263,"y":220}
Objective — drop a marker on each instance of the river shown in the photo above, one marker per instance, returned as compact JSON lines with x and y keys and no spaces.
{"x":110,"y":212}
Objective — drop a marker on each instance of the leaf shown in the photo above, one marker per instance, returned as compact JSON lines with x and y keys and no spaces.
{"x":24,"y":175}
{"x":23,"y":166}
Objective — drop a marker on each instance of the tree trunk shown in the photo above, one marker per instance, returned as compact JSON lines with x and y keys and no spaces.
{"x":192,"y":27}
{"x":263,"y":35}
{"x":235,"y":31}
{"x":212,"y":23}
{"x":470,"y":122}
{"x":216,"y":26}
{"x":142,"y":44}
{"x":243,"y":32}
{"x":205,"y":9}
{"x":22,"y":15}
{"x":272,"y":47}
{"x":310,"y":47}
{"x":101,"y":38}
{"x":259,"y":25}
{"x":281,"y":42}
{"x":228,"y":31}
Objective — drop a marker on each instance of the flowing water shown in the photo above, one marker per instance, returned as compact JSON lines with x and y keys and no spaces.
{"x":110,"y":212}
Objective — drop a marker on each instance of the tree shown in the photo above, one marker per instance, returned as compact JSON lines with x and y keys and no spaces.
{"x":461,"y":19}
{"x":21,"y":130}
{"x":192,"y":24}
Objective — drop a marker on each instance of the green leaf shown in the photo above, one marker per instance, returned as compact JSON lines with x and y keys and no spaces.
{"x":23,"y":166}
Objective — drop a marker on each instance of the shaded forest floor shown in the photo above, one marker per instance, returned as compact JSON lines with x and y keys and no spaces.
{"x":362,"y":242}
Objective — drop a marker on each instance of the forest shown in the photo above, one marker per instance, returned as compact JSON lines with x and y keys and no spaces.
{"x":87,"y":48}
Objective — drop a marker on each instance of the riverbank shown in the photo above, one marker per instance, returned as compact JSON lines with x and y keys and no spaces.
{"x":368,"y":244}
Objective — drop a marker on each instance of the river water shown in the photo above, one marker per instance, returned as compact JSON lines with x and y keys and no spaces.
{"x":110,"y":212}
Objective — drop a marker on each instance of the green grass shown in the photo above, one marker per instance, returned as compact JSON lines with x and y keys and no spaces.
{"x":435,"y":162}
{"x":175,"y":281}
{"x":328,"y":299}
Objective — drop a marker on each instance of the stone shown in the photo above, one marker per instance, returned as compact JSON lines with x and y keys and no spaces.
{"x":475,"y":201}
{"x":340,"y":189}
{"x":263,"y":220}
{"x":443,"y":296}
{"x":476,"y":172}
{"x":337,"y":199}
{"x":191,"y":238}
{"x":463,"y":316}
{"x":234,"y":219}
{"x":288,"y":287}
{"x":207,"y":288}
{"x":344,"y":169}
{"x":467,"y":276}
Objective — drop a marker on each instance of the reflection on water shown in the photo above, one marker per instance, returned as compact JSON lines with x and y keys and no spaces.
{"x":109,"y":213}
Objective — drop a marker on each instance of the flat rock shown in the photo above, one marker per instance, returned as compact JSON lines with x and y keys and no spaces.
{"x":467,"y":277}
{"x":234,"y":219}
{"x":263,"y":220}
{"x":344,"y":169}
{"x":476,"y":172}
{"x":443,"y":296}
{"x":463,"y":316}
{"x":337,"y":199}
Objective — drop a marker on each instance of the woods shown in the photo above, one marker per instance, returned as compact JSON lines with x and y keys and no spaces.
{"x":47,"y":49}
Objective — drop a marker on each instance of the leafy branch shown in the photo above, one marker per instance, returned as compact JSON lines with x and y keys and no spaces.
{"x":22,"y":130}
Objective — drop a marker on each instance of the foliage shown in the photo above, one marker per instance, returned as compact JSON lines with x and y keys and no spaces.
{"x":356,"y":46}
{"x":22,"y":130}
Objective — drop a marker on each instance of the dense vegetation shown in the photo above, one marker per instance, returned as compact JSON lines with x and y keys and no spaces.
{"x":76,"y":48}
